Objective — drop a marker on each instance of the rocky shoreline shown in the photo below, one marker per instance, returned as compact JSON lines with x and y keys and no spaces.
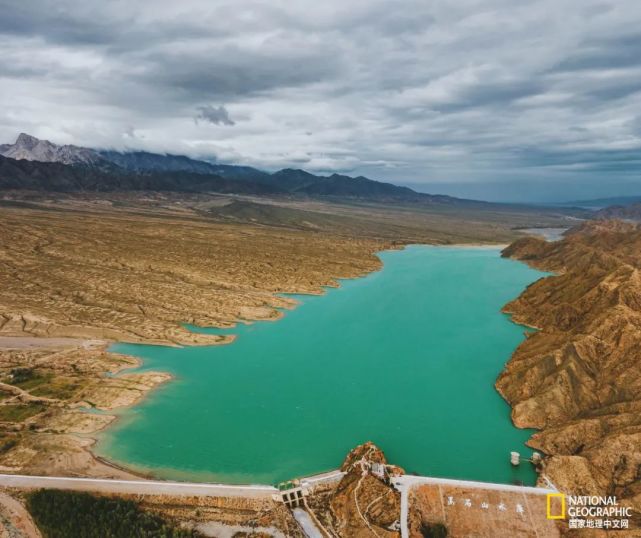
{"x":71,"y":285}
{"x":577,"y":379}
{"x":46,"y":426}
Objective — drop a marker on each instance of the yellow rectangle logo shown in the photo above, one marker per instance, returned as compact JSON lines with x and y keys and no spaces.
{"x":549,"y":513}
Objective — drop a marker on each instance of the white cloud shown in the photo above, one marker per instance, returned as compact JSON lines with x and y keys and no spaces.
{"x":412,"y":91}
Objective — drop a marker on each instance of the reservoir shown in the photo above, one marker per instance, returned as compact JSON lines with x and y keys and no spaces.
{"x":406,"y":357}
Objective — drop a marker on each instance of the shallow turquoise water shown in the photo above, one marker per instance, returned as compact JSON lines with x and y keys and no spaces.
{"x":406,"y":357}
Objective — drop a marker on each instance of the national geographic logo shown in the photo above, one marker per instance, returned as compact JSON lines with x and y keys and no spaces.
{"x":555,"y":506}
{"x":588,"y":511}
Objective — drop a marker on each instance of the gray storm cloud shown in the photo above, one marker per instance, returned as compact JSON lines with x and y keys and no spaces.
{"x":216,"y":115}
{"x":433,"y":93}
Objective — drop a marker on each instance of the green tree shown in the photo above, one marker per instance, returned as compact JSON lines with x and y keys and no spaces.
{"x":67,"y":514}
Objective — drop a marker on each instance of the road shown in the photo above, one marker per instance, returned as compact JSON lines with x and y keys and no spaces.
{"x":15,"y":521}
{"x":143,"y":487}
{"x":411,"y":480}
{"x":307,"y":524}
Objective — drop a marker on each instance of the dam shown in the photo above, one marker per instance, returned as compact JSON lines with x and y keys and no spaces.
{"x":406,"y":357}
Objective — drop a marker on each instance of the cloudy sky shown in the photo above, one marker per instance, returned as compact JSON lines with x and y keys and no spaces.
{"x":496,"y":99}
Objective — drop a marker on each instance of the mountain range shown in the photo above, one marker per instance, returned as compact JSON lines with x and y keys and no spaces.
{"x":34,"y":164}
{"x":30,"y":148}
{"x":600,"y":203}
{"x":631,"y":212}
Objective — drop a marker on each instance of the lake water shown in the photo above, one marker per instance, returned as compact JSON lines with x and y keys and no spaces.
{"x":406,"y":357}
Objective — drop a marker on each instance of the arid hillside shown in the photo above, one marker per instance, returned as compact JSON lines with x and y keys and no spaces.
{"x":46,"y":387}
{"x":578,"y":379}
{"x":123,"y":276}
{"x":134,"y":267}
{"x":361,"y":504}
{"x":81,"y":270}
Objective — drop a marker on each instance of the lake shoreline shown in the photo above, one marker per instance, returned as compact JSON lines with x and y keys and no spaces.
{"x":132,"y":470}
{"x":228,"y":339}
{"x":338,"y":285}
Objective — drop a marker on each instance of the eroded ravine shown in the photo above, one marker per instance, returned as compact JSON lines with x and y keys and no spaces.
{"x":578,"y":379}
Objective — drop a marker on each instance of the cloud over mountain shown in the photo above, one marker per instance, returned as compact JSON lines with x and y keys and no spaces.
{"x":478,"y":90}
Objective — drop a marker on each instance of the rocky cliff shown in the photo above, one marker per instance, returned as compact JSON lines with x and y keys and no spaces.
{"x":578,"y":378}
{"x":30,"y":148}
{"x":624,"y":212}
{"x":364,"y":503}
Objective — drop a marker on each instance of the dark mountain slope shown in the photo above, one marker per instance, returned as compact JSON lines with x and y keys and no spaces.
{"x":107,"y":170}
{"x":144,"y":161}
{"x":57,"y":177}
{"x":292,"y":179}
{"x":361,"y":187}
{"x":286,"y":180}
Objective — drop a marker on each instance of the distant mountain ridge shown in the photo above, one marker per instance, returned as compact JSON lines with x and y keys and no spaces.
{"x":631,"y":211}
{"x":294,"y":181}
{"x":599,"y":203}
{"x":58,"y":177}
{"x":30,"y":148}
{"x":95,"y":169}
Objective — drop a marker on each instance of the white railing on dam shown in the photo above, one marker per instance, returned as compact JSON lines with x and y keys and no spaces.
{"x":142,"y":487}
{"x":161,"y":487}
{"x":411,"y":480}
{"x":402,"y":483}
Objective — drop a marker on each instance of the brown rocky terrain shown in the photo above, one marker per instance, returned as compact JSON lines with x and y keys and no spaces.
{"x":81,"y":271}
{"x":578,"y":378}
{"x":224,"y":516}
{"x":15,"y":520}
{"x":362,"y":504}
{"x":44,"y":391}
{"x":622,"y":212}
{"x":464,"y":512}
{"x":134,"y":267}
{"x":121,"y":276}
{"x":235,"y":517}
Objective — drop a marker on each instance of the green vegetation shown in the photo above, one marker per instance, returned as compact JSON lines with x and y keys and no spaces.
{"x":19,"y":412}
{"x":67,"y":514}
{"x":434,"y":530}
{"x":60,"y":388}
{"x":21,"y":375}
{"x":28,"y":378}
{"x":43,"y":384}
{"x":7,"y":442}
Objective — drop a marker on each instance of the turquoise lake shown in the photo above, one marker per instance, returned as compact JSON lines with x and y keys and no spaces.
{"x":406,"y":357}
